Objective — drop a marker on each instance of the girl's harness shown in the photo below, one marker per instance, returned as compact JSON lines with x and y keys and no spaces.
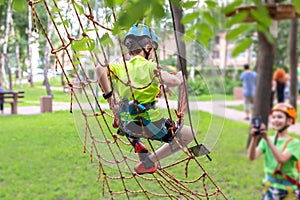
{"x":286,"y":180}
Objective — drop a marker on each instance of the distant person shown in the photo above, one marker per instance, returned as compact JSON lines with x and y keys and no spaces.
{"x":273,"y":90}
{"x":287,"y":88}
{"x":281,"y":154}
{"x":1,"y":100}
{"x":248,"y":77}
{"x":298,"y":85}
{"x":280,"y":78}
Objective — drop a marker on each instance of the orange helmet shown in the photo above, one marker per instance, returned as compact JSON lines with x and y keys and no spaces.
{"x":287,"y":109}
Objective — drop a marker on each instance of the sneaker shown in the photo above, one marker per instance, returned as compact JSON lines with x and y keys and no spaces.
{"x":140,"y":168}
{"x":141,"y":149}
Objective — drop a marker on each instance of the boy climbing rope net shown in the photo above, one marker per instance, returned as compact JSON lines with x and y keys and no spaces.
{"x":281,"y":154}
{"x":138,"y":85}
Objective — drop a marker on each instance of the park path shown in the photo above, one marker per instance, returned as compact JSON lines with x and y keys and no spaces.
{"x":219,"y":108}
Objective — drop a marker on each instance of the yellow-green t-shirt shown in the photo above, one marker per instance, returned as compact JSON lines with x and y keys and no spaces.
{"x":271,"y":164}
{"x":140,"y":73}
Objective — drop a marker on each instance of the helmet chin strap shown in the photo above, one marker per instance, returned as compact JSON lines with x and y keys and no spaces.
{"x":147,"y":53}
{"x":280,"y":131}
{"x":283,"y":129}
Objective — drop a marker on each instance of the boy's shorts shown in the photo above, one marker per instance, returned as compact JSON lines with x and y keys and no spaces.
{"x":137,"y":130}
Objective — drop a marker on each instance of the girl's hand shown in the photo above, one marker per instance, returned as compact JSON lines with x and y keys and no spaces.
{"x":261,"y":132}
{"x":253,"y":131}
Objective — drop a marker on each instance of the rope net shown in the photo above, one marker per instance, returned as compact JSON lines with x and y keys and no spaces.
{"x":82,"y":42}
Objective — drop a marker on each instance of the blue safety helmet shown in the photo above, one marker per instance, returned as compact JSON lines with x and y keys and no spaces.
{"x":140,"y":30}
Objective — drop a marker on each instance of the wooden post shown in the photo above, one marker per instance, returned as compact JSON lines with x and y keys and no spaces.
{"x":14,"y":107}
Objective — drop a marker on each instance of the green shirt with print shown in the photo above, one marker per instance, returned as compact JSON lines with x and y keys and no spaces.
{"x":140,"y":73}
{"x":271,"y":164}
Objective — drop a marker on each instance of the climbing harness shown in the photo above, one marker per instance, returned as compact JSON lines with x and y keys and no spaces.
{"x":137,"y":114}
{"x":286,"y":180}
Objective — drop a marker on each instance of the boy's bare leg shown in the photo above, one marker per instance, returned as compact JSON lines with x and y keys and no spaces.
{"x":165,"y":150}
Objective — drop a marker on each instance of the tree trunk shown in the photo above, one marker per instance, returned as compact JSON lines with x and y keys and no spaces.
{"x":293,"y":62}
{"x":62,"y":74}
{"x":1,"y":63}
{"x":265,"y":62}
{"x":1,"y":74}
{"x":225,"y":57}
{"x":181,"y":50}
{"x":179,"y":31}
{"x":5,"y":58}
{"x":17,"y":51}
{"x":266,"y":52}
{"x":47,"y":56}
{"x":30,"y":39}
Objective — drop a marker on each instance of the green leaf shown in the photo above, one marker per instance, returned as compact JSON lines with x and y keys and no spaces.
{"x":261,"y":17}
{"x":116,"y":28}
{"x":189,"y":17}
{"x":89,"y":30}
{"x":109,"y":3}
{"x":187,"y":38}
{"x":203,"y":40}
{"x":189,"y":4}
{"x":157,"y":9}
{"x":83,"y":45}
{"x":55,"y":10}
{"x":205,"y":29}
{"x":118,"y":2}
{"x":266,"y":32}
{"x":105,"y":39}
{"x":237,"y":18}
{"x":210,"y":19}
{"x":297,"y":5}
{"x":242,"y":47}
{"x":133,"y":13}
{"x":262,"y":28}
{"x":79,"y":7}
{"x":211,"y":4}
{"x":191,"y":31}
{"x":66,"y":23}
{"x":233,"y":34}
{"x":76,"y":62}
{"x":231,"y":7}
{"x":19,"y":5}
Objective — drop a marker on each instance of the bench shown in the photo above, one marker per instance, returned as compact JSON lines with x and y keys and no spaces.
{"x":12,"y":97}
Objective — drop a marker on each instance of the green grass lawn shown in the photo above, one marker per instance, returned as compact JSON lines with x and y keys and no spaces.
{"x":42,"y":158}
